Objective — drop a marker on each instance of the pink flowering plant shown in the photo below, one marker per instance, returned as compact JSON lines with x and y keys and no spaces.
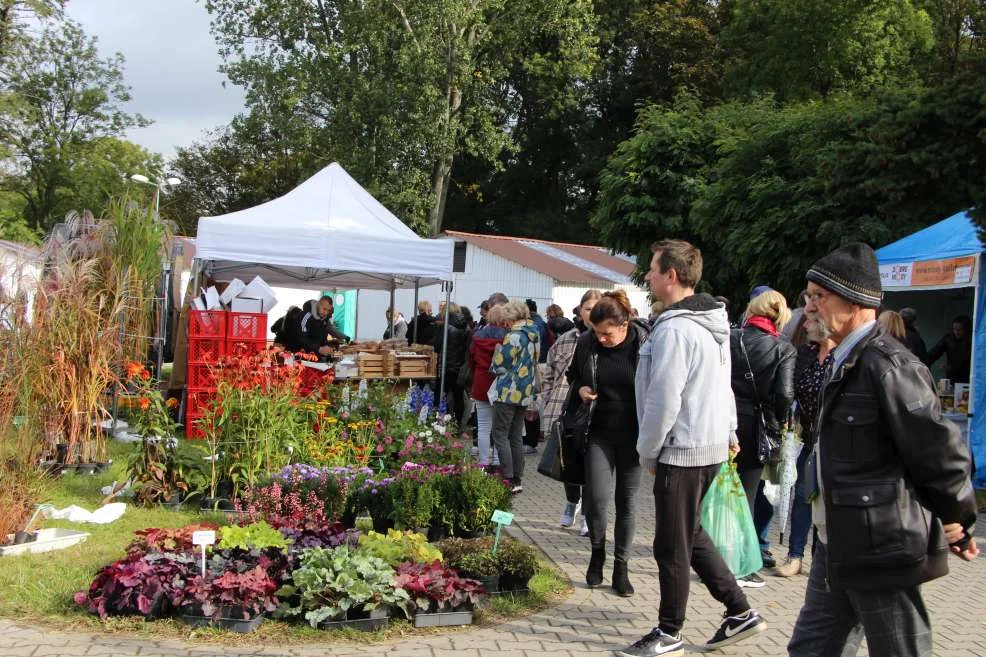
{"x":298,"y":497}
{"x":434,"y":587}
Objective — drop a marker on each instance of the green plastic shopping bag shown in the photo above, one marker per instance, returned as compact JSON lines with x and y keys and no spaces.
{"x":727,"y":519}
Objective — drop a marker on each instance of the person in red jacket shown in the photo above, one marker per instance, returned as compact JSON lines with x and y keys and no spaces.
{"x":481,"y":347}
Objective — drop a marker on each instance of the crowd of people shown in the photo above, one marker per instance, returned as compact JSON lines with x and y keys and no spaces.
{"x":882,"y":477}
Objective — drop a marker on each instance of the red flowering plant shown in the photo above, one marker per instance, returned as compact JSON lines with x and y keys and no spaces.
{"x":433,"y":587}
{"x":148,"y":585}
{"x":257,"y":416}
{"x":165,"y":539}
{"x":148,"y":413}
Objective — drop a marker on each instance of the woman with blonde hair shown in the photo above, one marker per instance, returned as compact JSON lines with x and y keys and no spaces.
{"x":763,"y":385}
{"x":893,"y":323}
{"x":515,"y":362}
{"x":482,"y":345}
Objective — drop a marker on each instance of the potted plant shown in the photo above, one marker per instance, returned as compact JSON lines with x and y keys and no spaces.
{"x":165,"y":472}
{"x":440,"y":595}
{"x":258,"y":535}
{"x":482,"y":566}
{"x":413,"y":499}
{"x":148,"y":585}
{"x":237,"y":601}
{"x":165,"y":539}
{"x":342,"y":587}
{"x":517,"y":562}
{"x":376,"y":499}
{"x":396,"y":547}
{"x":478,"y":495}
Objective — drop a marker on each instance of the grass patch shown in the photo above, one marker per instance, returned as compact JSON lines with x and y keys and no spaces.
{"x":38,"y":588}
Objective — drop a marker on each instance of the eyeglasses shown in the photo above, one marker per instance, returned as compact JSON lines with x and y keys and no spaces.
{"x":816,"y":297}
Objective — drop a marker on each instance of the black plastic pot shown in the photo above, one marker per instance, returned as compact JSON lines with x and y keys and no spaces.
{"x":172,"y":503}
{"x":436,"y":532}
{"x":491,"y":582}
{"x":24,"y":537}
{"x":475,"y":533}
{"x":511,"y":582}
{"x":381,"y":525}
{"x":224,"y":488}
{"x":216,"y":504}
{"x":234,"y":623}
{"x":86,"y":468}
{"x":360,"y":620}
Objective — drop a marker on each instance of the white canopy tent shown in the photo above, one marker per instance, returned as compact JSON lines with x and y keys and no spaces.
{"x":327,"y":232}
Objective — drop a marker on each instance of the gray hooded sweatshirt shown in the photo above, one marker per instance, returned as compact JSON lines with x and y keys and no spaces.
{"x":685,"y":405}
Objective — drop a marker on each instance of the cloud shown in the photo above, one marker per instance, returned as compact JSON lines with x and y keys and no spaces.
{"x":171,"y":66}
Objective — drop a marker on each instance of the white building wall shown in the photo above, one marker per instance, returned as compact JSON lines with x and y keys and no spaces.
{"x":486,"y":273}
{"x":568,"y":295}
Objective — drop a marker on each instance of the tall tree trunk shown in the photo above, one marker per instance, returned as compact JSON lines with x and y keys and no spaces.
{"x":441,"y":175}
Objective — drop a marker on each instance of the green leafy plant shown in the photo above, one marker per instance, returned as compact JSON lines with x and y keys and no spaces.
{"x":516,"y":559}
{"x":453,"y":549}
{"x":258,"y":535}
{"x":476,"y":497}
{"x":397,"y":547}
{"x":162,"y":468}
{"x":477,"y":564}
{"x":414,"y":500}
{"x":331,"y":583}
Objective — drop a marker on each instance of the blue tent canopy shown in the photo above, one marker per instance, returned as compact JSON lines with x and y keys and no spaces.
{"x":949,"y":238}
{"x":955,"y":237}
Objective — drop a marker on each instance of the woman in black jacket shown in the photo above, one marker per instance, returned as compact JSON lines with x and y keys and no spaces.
{"x":455,"y":356}
{"x":611,"y":348}
{"x":762,"y":381}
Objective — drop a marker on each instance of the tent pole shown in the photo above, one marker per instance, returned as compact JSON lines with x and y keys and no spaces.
{"x":414,"y":311}
{"x":393,"y":311}
{"x":441,"y":377}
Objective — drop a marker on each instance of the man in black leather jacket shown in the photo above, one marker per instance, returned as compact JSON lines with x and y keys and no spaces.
{"x":889,"y":478}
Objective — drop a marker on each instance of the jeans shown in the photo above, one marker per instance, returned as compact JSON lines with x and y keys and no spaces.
{"x":680,"y":542}
{"x":484,"y":428}
{"x":508,"y":425}
{"x":604,"y":458}
{"x":832,"y":622}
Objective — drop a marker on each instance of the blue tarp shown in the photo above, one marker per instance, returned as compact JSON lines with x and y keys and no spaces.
{"x":951,"y":238}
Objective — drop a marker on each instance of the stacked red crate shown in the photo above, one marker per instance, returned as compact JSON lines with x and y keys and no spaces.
{"x":206,"y":344}
{"x":246,"y":333}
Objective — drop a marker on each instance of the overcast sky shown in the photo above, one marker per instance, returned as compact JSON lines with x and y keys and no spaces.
{"x":171,"y":66}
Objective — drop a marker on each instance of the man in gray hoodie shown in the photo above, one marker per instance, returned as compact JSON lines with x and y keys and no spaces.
{"x":687,"y":418}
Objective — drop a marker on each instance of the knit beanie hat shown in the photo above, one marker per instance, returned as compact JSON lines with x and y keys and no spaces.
{"x":852,"y":272}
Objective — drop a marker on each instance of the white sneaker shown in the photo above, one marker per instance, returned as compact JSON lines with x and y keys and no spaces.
{"x":585,"y":527}
{"x":568,"y":515}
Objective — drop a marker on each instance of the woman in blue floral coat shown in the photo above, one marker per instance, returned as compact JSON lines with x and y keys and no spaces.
{"x":515,"y":366}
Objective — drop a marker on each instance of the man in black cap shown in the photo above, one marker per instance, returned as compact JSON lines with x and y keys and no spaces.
{"x":887,"y":475}
{"x":914,"y":340}
{"x":484,"y":308}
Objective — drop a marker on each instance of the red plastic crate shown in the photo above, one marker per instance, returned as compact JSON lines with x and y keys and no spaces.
{"x":244,"y":347}
{"x":207,"y":324}
{"x":199,"y":400}
{"x":205,"y":350}
{"x":192,"y":428}
{"x":200,"y":377}
{"x":246,"y":326}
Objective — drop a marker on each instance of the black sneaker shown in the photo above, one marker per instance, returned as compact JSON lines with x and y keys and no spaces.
{"x":655,"y":643}
{"x":737,"y":628}
{"x":768,"y":559}
{"x":751,"y":581}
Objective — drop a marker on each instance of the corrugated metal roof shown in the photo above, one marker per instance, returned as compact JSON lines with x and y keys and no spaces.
{"x":559,"y":260}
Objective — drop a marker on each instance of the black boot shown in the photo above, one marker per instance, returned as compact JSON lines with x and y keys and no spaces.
{"x":594,"y":575}
{"x":621,"y":582}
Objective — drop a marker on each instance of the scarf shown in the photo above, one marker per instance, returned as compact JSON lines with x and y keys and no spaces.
{"x":762,"y":323}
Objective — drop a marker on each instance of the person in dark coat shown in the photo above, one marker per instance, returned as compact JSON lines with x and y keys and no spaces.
{"x":316,"y":326}
{"x":914,"y":340}
{"x":557,"y":322}
{"x":762,"y":379}
{"x":422,"y":329}
{"x":956,"y":346}
{"x":547,"y":337}
{"x":287,"y":330}
{"x":455,"y":356}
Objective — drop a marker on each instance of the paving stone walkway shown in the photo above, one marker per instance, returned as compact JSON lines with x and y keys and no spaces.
{"x":587,"y":623}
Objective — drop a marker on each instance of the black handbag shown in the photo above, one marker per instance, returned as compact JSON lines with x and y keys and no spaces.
{"x":768,"y":441}
{"x":464,"y":378}
{"x":552,"y":462}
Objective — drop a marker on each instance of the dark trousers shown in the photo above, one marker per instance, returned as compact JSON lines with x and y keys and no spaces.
{"x":508,"y":425}
{"x":832,"y":622}
{"x":680,"y":543}
{"x":760,"y":508}
{"x":605,"y":458}
{"x":573,"y":493}
{"x":455,"y":396}
{"x":532,"y":431}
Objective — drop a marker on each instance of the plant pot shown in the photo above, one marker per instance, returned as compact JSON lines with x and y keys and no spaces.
{"x":473,"y":533}
{"x":360,"y":620}
{"x":236,"y":624}
{"x":443,"y":618}
{"x":511,"y":582}
{"x":103,"y":467}
{"x":23,"y":537}
{"x":381,"y":525}
{"x":224,"y":488}
{"x":172,"y":503}
{"x":53,"y":468}
{"x":436,"y":532}
{"x":216,"y":504}
{"x":348,"y":518}
{"x":490,"y":582}
{"x":86,"y":468}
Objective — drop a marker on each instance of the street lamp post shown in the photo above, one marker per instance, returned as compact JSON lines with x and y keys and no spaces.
{"x":166,"y":273}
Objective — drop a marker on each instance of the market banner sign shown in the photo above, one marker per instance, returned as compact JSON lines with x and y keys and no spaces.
{"x":929,"y":273}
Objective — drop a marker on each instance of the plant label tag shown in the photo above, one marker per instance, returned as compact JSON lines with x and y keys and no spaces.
{"x":205,"y":537}
{"x":502,"y":517}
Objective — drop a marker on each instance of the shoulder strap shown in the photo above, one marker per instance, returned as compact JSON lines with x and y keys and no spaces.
{"x":749,"y":374}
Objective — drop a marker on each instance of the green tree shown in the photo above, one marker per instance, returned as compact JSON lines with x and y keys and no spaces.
{"x":396,"y":90}
{"x":66,"y":98}
{"x":14,"y":18}
{"x":801,"y":49}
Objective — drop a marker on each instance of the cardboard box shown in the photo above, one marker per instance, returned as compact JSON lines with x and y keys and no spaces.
{"x":233,"y":289}
{"x":246,"y":305}
{"x":258,"y":289}
{"x":211,"y":299}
